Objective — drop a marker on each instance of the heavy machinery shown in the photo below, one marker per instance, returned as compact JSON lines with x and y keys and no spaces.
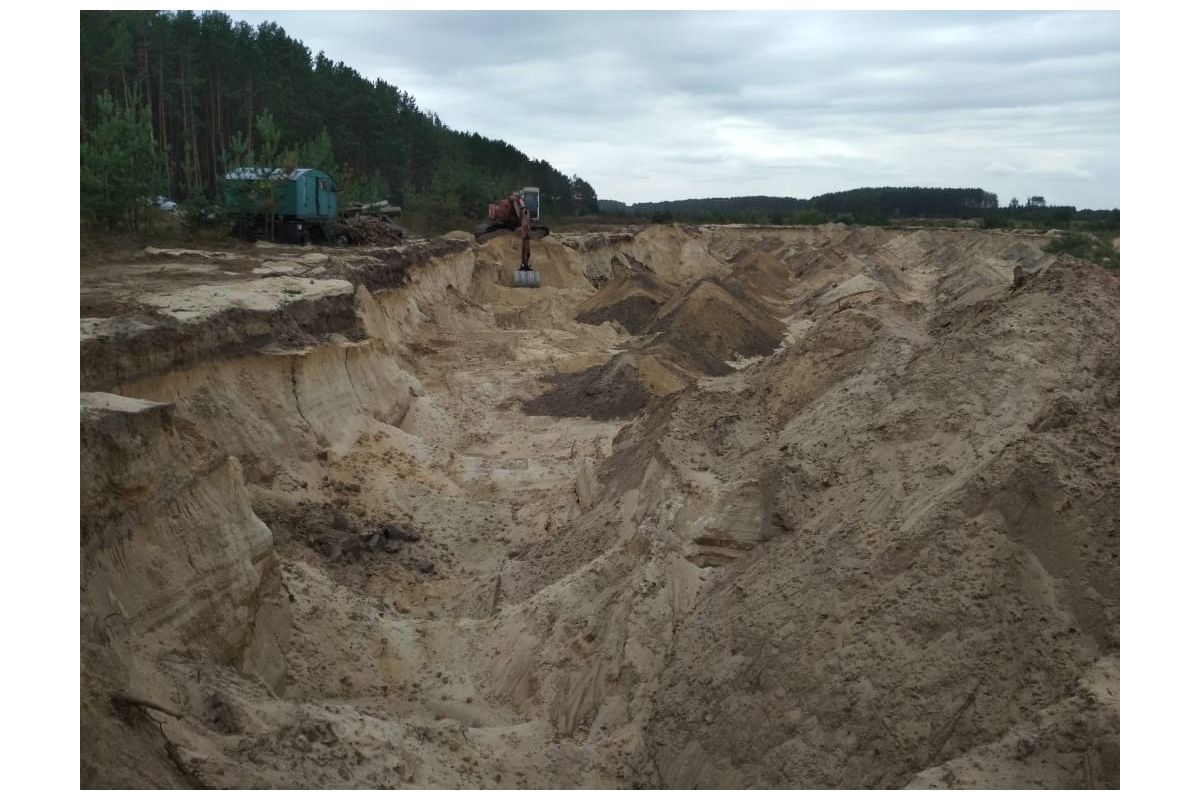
{"x":520,"y":211}
{"x":301,"y":207}
{"x":294,"y":207}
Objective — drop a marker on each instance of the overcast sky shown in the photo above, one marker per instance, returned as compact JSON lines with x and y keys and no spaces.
{"x":671,"y":105}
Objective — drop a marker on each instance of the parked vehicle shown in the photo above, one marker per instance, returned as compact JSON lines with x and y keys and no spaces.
{"x":162,"y":202}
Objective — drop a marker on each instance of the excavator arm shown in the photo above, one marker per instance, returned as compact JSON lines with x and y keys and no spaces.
{"x":507,"y":215}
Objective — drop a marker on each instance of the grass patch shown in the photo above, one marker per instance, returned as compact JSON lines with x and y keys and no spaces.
{"x":1086,"y":246}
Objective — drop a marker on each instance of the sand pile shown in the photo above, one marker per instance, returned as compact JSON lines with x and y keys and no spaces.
{"x":604,"y":391}
{"x":633,"y":300}
{"x":620,"y":388}
{"x":560,"y":267}
{"x":762,"y":275}
{"x":695,"y":334}
{"x":677,"y":253}
{"x":710,"y":326}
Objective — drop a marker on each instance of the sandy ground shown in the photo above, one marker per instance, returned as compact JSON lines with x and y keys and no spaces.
{"x":787,"y":508}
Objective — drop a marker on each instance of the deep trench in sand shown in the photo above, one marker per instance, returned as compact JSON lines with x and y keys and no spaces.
{"x":716,"y":507}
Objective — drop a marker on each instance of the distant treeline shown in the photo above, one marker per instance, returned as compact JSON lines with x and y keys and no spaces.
{"x":907,"y":201}
{"x":711,"y":207}
{"x":876,"y":205}
{"x":198,"y":92}
{"x":1037,"y":211}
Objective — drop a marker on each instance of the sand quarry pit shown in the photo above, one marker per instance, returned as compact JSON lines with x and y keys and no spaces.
{"x":716,"y":507}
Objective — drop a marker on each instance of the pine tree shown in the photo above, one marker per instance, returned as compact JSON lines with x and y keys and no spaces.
{"x":118,"y":164}
{"x":205,"y":78}
{"x":270,"y":155}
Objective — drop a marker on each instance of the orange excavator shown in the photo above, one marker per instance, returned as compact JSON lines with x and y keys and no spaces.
{"x":521,"y":212}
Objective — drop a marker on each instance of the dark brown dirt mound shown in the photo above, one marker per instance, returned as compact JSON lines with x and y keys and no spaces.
{"x":606,"y":391}
{"x":700,"y":332}
{"x":710,"y":326}
{"x":367,"y":229}
{"x":762,"y":275}
{"x":633,"y":301}
{"x":634,"y":313}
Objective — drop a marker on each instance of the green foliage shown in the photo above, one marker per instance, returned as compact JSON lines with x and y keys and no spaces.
{"x":241,"y":195}
{"x":881,"y":203}
{"x":202,"y":214}
{"x":269,"y":157}
{"x":808,"y":216}
{"x":758,"y":209}
{"x":118,"y":165}
{"x":583,"y":197}
{"x":1086,"y":246}
{"x":206,"y":81}
{"x":1106,"y":223}
{"x":317,"y":153}
{"x":1041,"y":216}
{"x":355,"y":188}
{"x":268,"y":138}
{"x":966,"y":207}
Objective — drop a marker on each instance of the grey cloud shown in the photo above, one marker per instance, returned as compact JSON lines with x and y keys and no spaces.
{"x":655,"y":105}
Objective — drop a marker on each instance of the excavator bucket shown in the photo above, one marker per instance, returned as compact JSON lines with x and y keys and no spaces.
{"x":527,"y":278}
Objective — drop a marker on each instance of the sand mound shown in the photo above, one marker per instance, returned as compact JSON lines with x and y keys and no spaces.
{"x":677,"y":254}
{"x":633,"y":300}
{"x":697,"y":334}
{"x":661,"y":376}
{"x":710,"y":326}
{"x":762,"y":275}
{"x":559,"y":266}
{"x":620,"y":388}
{"x":605,"y":391}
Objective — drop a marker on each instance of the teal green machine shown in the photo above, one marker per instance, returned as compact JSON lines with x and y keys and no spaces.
{"x":297,"y":206}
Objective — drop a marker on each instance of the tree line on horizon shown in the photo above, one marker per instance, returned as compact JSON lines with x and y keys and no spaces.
{"x":870,"y":205}
{"x":171,"y":101}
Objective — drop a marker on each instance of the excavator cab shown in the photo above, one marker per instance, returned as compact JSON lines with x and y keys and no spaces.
{"x":532,"y":196}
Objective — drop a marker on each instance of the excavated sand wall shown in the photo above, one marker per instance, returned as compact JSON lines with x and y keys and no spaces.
{"x":169,"y":545}
{"x":172,"y":558}
{"x":172,"y":555}
{"x":188,"y":561}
